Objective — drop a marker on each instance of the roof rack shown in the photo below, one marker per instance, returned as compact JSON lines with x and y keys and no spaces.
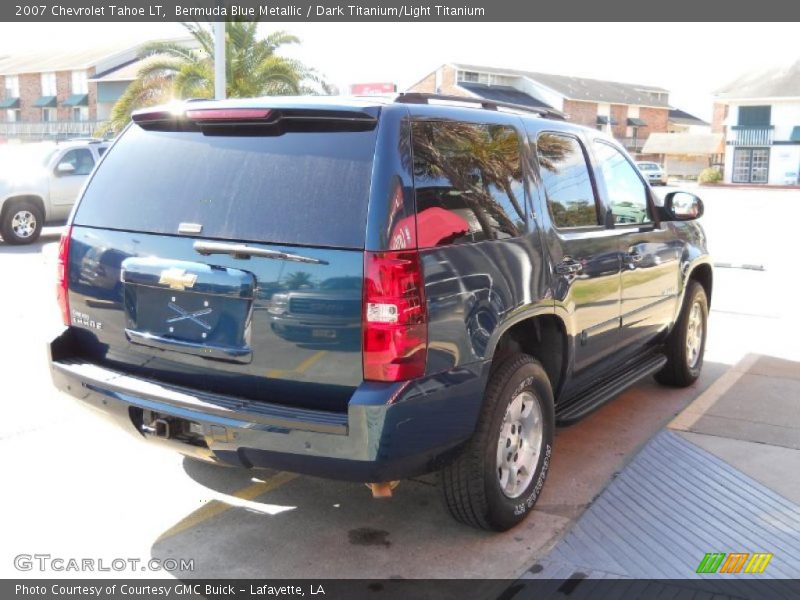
{"x":425,"y":98}
{"x":87,"y":139}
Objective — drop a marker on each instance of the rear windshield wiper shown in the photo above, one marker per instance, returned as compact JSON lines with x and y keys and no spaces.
{"x":244,"y":251}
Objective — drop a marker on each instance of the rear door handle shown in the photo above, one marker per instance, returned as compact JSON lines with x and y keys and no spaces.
{"x":569,"y":266}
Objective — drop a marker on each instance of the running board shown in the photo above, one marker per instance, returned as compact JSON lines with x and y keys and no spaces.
{"x":579,"y":406}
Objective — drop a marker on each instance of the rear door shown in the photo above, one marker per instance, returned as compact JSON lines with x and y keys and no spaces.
{"x":584,"y":254}
{"x":228,"y":260}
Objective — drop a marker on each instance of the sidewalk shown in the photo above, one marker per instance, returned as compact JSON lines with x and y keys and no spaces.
{"x":723,"y":477}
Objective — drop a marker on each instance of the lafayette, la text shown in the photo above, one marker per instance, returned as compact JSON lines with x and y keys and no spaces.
{"x":190,"y":590}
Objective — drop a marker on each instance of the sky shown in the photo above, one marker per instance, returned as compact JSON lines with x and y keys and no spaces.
{"x":689,"y":59}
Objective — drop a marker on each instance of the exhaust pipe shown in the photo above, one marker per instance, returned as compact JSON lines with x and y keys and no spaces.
{"x":382,"y":490}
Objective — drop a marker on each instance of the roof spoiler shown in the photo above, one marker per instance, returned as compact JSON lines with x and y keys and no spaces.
{"x":192,"y":116}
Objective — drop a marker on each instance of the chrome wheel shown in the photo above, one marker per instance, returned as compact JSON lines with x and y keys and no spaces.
{"x":695,"y":330}
{"x":519,"y":444}
{"x":23,"y":224}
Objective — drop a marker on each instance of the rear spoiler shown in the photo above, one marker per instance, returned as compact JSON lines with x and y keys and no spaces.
{"x":206,"y":118}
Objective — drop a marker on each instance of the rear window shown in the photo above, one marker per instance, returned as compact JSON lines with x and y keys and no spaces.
{"x":306,"y":188}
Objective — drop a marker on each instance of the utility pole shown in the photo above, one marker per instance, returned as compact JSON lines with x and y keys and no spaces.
{"x":219,"y":60}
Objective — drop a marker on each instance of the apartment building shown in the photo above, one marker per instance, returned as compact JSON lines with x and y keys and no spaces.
{"x":630,"y":112}
{"x":759,"y":115}
{"x":63,"y":95}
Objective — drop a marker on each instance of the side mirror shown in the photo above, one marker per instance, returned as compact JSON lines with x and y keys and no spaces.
{"x":65,"y":168}
{"x":683,"y":206}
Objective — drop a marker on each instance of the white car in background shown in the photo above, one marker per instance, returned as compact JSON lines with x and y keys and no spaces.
{"x":40,"y":182}
{"x":653,"y":171}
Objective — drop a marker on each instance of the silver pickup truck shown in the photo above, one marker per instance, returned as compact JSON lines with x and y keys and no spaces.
{"x":40,"y":182}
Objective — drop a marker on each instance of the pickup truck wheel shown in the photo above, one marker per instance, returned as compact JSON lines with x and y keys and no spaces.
{"x":499,"y":474}
{"x":22,"y":223}
{"x":687,"y":342}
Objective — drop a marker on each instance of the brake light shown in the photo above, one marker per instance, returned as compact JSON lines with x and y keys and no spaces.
{"x":395,"y":321}
{"x":228,"y":114}
{"x":62,"y":286}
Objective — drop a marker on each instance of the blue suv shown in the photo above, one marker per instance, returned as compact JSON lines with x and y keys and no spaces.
{"x":371,"y":289}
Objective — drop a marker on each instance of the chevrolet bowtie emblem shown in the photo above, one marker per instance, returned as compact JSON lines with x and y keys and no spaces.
{"x":177,"y":279}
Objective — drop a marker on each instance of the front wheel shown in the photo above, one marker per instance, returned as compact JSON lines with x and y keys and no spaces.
{"x":687,"y":343}
{"x":498,"y":476}
{"x":22,"y":223}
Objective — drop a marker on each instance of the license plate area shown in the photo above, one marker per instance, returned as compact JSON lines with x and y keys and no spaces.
{"x":191,"y":308}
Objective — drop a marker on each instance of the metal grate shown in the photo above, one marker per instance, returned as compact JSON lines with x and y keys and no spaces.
{"x":673,"y":504}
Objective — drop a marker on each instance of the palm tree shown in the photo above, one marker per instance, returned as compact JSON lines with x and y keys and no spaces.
{"x":253,"y":68}
{"x":297,"y":280}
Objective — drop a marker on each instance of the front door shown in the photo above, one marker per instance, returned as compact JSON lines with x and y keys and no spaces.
{"x":65,"y":185}
{"x":750,"y":165}
{"x":649,"y":254}
{"x":584,"y":253}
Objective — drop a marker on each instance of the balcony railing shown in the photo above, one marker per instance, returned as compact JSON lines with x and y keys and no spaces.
{"x":750,"y":136}
{"x":51,"y":130}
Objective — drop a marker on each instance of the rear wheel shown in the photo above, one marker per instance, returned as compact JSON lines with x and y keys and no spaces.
{"x":22,"y":223}
{"x":498,"y":476}
{"x":687,"y":342}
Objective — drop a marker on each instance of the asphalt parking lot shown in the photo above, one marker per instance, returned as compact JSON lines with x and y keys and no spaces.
{"x":77,"y":487}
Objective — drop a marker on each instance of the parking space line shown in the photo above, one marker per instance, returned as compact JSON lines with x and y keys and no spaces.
{"x":301,"y":368}
{"x":216,"y":507}
{"x":307,"y":363}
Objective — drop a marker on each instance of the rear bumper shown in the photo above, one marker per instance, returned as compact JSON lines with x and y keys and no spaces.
{"x":390,"y":431}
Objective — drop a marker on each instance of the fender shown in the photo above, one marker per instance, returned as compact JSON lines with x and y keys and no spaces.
{"x":692,"y":258}
{"x":35,"y":195}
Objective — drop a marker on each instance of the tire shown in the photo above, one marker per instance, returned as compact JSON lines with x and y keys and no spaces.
{"x":685,"y":359}
{"x":471,"y":484}
{"x":22,"y":223}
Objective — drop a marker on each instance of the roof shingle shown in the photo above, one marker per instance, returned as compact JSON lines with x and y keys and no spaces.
{"x":778,"y":82}
{"x":588,"y":90}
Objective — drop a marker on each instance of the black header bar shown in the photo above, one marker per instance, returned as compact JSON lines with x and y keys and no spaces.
{"x":396,"y":10}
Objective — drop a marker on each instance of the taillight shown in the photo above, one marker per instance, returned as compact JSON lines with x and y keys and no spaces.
{"x":395,"y":317}
{"x":62,"y":289}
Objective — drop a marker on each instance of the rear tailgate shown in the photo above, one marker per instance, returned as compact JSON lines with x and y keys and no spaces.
{"x":229,"y":261}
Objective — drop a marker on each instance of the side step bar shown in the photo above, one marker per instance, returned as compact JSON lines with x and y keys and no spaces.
{"x":583,"y":403}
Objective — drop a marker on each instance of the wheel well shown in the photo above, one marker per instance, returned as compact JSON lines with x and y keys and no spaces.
{"x":15,"y":199}
{"x":542,"y":337}
{"x":702,"y":274}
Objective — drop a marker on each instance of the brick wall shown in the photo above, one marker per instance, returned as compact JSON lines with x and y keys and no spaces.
{"x":583,"y":113}
{"x":30,"y":89}
{"x":718,"y":118}
{"x":92,"y":94}
{"x":657,"y":120}
{"x":426,"y":85}
{"x":448,"y":84}
{"x":619,"y":113}
{"x":63,"y":91}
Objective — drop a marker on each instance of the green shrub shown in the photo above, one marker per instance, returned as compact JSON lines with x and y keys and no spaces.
{"x":710,"y":175}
